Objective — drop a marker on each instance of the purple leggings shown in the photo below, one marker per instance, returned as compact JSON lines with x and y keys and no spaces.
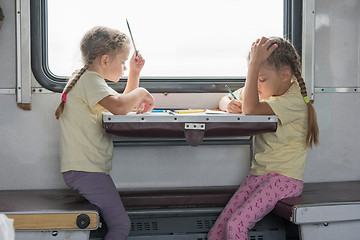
{"x":99,"y":189}
{"x":255,"y":198}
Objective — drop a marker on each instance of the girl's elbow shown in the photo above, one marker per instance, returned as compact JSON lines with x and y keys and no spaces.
{"x":119,"y":112}
{"x":261,"y":109}
{"x":119,"y":108}
{"x":249,"y":111}
{"x":245,"y":110}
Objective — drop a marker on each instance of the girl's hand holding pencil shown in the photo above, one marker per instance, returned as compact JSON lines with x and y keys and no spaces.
{"x":137,"y":62}
{"x":234,"y":106}
{"x":138,"y":58}
{"x":229,"y":90}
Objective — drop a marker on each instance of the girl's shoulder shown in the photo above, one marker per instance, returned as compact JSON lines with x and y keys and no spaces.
{"x":295,"y":88}
{"x":290,"y":101}
{"x":293,"y":94}
{"x":92,"y":75}
{"x":91,"y":79}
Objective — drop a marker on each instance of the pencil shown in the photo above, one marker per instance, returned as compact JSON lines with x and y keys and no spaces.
{"x":132,"y":39}
{"x":189,"y":111}
{"x":162,"y":111}
{"x":158,"y":111}
{"x":227,"y":87}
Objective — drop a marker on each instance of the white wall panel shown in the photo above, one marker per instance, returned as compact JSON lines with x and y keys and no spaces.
{"x":337,"y":65}
{"x":337,"y":38}
{"x":7,"y":46}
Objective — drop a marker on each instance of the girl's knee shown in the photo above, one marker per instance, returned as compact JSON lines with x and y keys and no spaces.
{"x":123,"y":224}
{"x":127,"y":224}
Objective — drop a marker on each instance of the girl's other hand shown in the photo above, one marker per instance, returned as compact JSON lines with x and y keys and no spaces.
{"x":234,"y":106}
{"x":261,"y":50}
{"x":137,"y":62}
{"x":147,"y":103}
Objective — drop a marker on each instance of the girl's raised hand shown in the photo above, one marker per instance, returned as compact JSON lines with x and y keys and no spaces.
{"x":234,"y":106}
{"x":261,"y":50}
{"x":137,"y":62}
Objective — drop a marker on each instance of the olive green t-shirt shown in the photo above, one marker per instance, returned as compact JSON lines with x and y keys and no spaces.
{"x":285,"y":150}
{"x":84,"y":144}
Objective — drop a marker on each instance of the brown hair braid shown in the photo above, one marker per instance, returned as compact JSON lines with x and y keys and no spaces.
{"x":98,"y":41}
{"x":285,"y":55}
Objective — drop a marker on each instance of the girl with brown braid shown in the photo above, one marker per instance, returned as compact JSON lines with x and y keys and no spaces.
{"x":274,"y":86}
{"x":85,"y":149}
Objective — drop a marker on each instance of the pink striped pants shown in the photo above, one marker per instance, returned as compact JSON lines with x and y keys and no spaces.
{"x":254,"y":199}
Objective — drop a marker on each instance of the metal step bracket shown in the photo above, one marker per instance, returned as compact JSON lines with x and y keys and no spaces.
{"x":194,"y":126}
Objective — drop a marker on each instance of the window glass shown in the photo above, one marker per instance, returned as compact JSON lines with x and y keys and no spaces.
{"x":178,"y":38}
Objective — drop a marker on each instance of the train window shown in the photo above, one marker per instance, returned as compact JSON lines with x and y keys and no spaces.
{"x":189,"y":45}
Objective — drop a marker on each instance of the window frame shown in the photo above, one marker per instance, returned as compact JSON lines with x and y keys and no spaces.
{"x":292,"y":30}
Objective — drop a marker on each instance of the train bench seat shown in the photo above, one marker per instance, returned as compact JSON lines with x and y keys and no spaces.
{"x":46,"y":214}
{"x":327,"y":210}
{"x":64,"y":214}
{"x":324,"y":211}
{"x":161,"y":214}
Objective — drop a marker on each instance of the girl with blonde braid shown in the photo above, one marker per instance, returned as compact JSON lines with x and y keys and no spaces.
{"x":85,"y":149}
{"x":274,"y":85}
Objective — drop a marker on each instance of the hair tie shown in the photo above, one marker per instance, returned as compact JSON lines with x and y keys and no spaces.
{"x":306,"y":99}
{"x":63,"y":98}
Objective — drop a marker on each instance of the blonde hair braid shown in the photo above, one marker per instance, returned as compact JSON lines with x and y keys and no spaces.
{"x":60,"y":108}
{"x":312,"y":135}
